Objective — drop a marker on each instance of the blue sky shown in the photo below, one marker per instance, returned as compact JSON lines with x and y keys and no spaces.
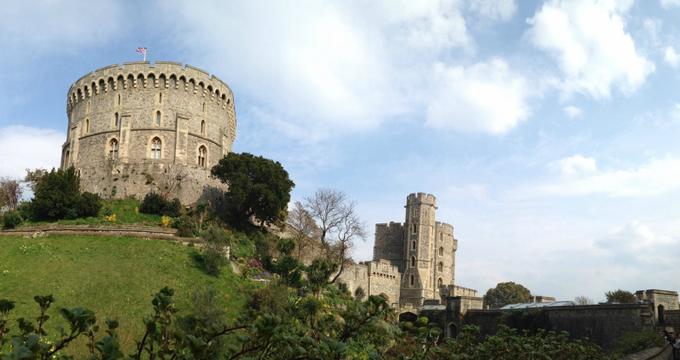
{"x":547,"y":130}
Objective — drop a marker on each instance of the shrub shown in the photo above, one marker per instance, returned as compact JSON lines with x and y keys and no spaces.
{"x":635,"y":341}
{"x":185,"y":226}
{"x":213,"y":252}
{"x":165,"y":221}
{"x":156,"y":204}
{"x":90,"y":204}
{"x":56,"y":196}
{"x":11,"y":219}
{"x":173,"y":208}
{"x":152,"y":204}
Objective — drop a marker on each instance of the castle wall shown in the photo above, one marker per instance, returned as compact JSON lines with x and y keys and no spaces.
{"x":602,"y":324}
{"x":384,"y":278}
{"x":183,"y":106}
{"x":389,"y":243}
{"x":375,"y":278}
{"x":355,"y":276}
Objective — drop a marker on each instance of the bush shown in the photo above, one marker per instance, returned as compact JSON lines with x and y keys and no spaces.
{"x":90,"y":204}
{"x":185,"y":225}
{"x":213,"y":256}
{"x":56,"y":196}
{"x":635,"y":341}
{"x":156,"y":204}
{"x":11,"y":219}
{"x":173,"y":208}
{"x":152,"y":204}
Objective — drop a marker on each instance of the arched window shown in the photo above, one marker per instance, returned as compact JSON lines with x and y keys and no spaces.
{"x":412,"y":280}
{"x":414,"y":228}
{"x":158,"y":118}
{"x":156,"y":148}
{"x":116,"y":120}
{"x":202,"y":127}
{"x":118,"y":99}
{"x":113,"y":149}
{"x":160,"y":98}
{"x":86,"y":127}
{"x":413,"y":261}
{"x":440,"y":282}
{"x":203,"y":107}
{"x":202,"y":156}
{"x":413,"y":245}
{"x":441,"y":251}
{"x":440,"y":267}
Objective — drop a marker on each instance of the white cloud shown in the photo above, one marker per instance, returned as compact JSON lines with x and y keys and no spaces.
{"x":577,"y":164}
{"x":24,"y":147}
{"x":485,"y":97}
{"x":656,"y":177}
{"x":494,"y":9}
{"x":324,"y":67}
{"x":671,"y":57}
{"x":590,"y":43}
{"x":666,"y":4}
{"x":573,"y":111}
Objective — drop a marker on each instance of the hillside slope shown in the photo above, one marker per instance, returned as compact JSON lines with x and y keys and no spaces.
{"x":113,"y":276}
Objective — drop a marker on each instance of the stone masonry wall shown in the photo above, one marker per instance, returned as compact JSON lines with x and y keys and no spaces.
{"x":389,"y":243}
{"x":131,"y":104}
{"x":602,"y":324}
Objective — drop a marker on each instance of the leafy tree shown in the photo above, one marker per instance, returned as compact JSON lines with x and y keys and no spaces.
{"x":258,"y":187}
{"x":620,"y":296}
{"x":506,"y":293}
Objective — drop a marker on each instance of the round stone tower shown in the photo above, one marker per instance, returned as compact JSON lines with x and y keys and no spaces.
{"x":142,"y":127}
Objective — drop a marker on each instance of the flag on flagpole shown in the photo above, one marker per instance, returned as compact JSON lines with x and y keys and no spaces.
{"x":142,"y":50}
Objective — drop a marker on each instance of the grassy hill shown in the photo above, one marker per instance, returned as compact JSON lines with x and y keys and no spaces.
{"x":113,"y":276}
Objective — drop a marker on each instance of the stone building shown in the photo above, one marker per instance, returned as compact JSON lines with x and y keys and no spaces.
{"x":141,"y":127}
{"x":414,"y":261}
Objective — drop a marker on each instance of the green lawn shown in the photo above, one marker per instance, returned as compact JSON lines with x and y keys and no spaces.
{"x":126,"y":211}
{"x":113,"y":276}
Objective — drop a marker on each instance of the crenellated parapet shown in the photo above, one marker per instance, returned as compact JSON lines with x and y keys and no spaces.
{"x":159,"y":75}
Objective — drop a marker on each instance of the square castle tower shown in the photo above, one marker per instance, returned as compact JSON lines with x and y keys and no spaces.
{"x":413,"y":262}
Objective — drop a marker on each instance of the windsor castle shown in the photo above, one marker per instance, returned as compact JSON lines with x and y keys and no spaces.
{"x":160,"y":127}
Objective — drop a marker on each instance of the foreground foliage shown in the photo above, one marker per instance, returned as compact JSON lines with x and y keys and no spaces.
{"x":298,"y":314}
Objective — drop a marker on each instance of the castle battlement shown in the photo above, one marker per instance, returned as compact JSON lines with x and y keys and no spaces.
{"x":158,"y":75}
{"x":421,"y":198}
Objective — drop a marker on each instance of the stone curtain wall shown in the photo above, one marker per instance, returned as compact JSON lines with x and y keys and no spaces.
{"x":185,"y":107}
{"x":602,"y":324}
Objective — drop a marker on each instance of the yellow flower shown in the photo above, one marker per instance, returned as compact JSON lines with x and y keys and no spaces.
{"x":111,"y":218}
{"x":165,"y":221}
